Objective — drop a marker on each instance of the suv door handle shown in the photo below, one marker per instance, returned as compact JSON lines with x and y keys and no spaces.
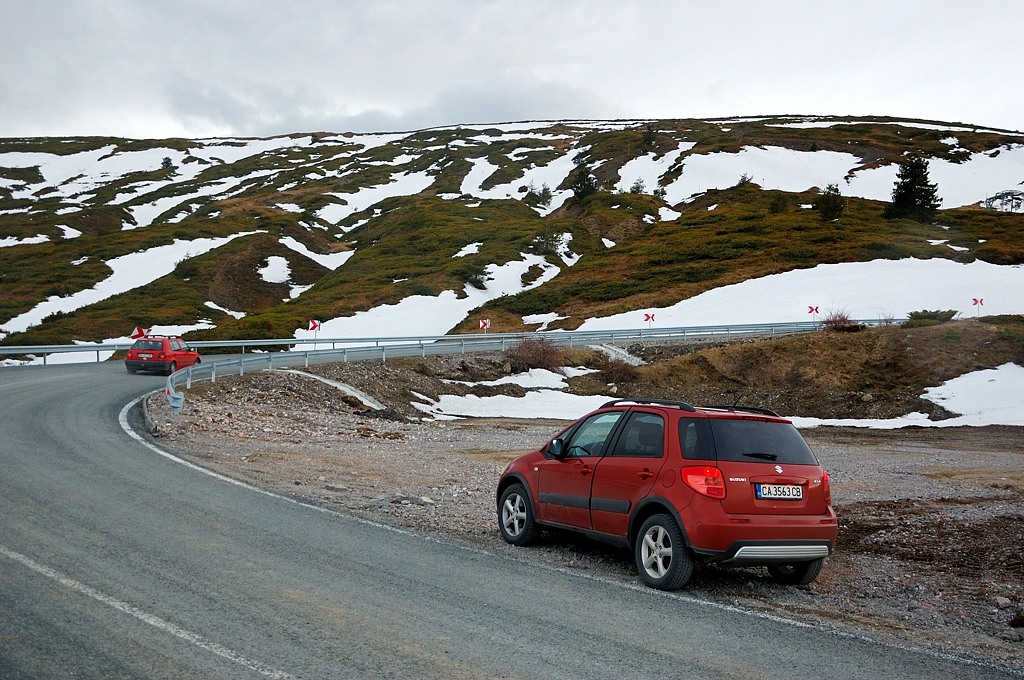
{"x":645,"y":474}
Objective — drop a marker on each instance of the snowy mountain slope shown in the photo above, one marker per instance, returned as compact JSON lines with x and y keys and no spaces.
{"x":361,"y":222}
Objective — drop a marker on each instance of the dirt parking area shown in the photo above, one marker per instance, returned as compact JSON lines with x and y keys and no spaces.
{"x":931,"y":541}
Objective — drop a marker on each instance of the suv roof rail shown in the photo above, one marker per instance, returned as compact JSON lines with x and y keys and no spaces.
{"x":748,"y":409}
{"x":660,"y":402}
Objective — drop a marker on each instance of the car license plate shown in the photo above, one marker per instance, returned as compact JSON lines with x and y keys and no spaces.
{"x":145,"y":355}
{"x":784,"y":492}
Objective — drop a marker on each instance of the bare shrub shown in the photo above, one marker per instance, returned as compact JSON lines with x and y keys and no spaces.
{"x":534,"y":353}
{"x":839,"y":321}
{"x":886,"y":318}
{"x":618,"y":371}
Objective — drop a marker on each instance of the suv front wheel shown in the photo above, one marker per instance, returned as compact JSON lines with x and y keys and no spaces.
{"x":516,"y":521}
{"x":662,"y":557}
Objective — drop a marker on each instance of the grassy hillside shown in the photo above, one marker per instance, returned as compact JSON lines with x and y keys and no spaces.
{"x":96,"y":199}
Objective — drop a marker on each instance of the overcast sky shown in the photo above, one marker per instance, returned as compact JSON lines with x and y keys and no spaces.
{"x":198,"y":68}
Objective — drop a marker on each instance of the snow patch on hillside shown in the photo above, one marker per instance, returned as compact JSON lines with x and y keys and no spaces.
{"x":329,"y":260}
{"x":275,"y":270}
{"x":862,"y":290}
{"x":401,"y":184}
{"x":426,"y":315}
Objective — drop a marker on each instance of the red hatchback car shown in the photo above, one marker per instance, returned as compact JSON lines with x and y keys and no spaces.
{"x":679,"y":485}
{"x":162,"y":353}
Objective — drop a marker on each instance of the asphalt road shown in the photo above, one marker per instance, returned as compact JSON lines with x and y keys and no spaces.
{"x":119,"y":562}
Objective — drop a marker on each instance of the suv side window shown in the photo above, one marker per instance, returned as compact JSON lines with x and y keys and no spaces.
{"x":590,"y":437}
{"x":642,"y":435}
{"x":695,"y":439}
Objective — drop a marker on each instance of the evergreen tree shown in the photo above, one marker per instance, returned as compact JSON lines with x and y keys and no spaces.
{"x":912,"y":195}
{"x":831,"y":204}
{"x":650,"y":137}
{"x":541,"y":197}
{"x":583,"y":184}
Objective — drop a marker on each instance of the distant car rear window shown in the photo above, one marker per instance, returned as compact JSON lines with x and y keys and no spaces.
{"x":752,"y":441}
{"x":148,"y":344}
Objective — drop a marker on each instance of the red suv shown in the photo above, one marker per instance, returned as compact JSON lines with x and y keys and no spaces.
{"x":680,"y":485}
{"x":160,"y":353}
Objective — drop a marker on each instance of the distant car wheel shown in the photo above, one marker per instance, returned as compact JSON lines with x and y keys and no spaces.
{"x":172,"y":368}
{"x":662,"y":557}
{"x":796,"y":574}
{"x":515,"y":517}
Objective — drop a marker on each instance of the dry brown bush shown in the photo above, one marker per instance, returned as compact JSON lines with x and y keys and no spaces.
{"x":534,"y":353}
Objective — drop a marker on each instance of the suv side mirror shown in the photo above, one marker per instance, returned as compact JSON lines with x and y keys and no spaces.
{"x":557,"y":448}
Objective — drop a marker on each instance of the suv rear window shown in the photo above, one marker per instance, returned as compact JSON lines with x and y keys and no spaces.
{"x":746,"y":441}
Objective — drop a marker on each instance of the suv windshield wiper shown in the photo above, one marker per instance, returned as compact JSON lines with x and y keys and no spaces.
{"x":762,"y":456}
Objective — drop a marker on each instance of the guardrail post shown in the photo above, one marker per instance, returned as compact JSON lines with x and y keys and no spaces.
{"x":213,"y":373}
{"x":270,"y":361}
{"x":463,"y":346}
{"x":345,"y":354}
{"x":241,"y":367}
{"x":383,"y":354}
{"x":307,"y":360}
{"x":188,"y":378}
{"x":97,"y":356}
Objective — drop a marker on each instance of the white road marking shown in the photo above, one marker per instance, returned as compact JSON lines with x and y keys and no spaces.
{"x":155,"y":621}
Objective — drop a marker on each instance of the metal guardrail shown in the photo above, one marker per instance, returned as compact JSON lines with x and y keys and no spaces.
{"x":382,"y":348}
{"x":570,"y":338}
{"x":362,"y":349}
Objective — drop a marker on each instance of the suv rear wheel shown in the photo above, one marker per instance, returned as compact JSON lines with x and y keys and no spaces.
{"x":517,"y":524}
{"x":796,"y":574}
{"x":662,"y":557}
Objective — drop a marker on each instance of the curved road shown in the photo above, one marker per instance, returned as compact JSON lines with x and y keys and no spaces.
{"x":119,"y":562}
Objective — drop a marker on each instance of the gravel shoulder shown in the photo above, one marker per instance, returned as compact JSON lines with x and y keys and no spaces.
{"x":931,"y":520}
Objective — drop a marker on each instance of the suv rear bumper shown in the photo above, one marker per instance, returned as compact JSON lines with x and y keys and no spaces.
{"x":769,"y":552}
{"x":764,"y":539}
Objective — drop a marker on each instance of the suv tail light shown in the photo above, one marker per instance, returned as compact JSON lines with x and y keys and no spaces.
{"x":706,"y":480}
{"x":827,"y":488}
